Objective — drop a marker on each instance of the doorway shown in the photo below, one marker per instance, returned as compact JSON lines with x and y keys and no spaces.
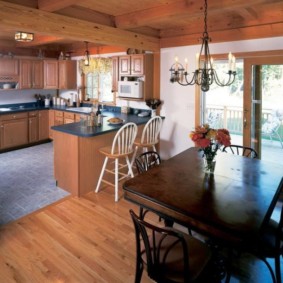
{"x":251,"y":107}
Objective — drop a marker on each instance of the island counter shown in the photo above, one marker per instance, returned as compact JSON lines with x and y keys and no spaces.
{"x":77,"y":161}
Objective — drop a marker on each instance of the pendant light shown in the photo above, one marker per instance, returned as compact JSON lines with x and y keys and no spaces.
{"x":86,"y":55}
{"x":204,"y":74}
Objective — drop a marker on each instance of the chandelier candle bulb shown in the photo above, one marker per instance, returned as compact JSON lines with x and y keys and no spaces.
{"x":233,"y":63}
{"x":176,"y":64}
{"x":197,"y":61}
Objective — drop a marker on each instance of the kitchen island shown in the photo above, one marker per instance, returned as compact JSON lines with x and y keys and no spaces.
{"x":77,"y":161}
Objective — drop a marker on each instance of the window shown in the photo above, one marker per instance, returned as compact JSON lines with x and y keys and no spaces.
{"x":98,"y":80}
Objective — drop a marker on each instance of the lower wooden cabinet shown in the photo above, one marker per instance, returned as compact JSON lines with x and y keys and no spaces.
{"x":43,"y":125}
{"x":21,"y":129}
{"x":14,"y":130}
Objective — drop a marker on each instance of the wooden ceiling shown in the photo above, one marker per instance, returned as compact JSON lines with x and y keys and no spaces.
{"x":115,"y":26}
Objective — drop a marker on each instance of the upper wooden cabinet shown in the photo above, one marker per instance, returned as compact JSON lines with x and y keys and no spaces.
{"x":67,"y":74}
{"x":50,"y":68}
{"x":131,"y":65}
{"x":9,"y":67}
{"x":31,"y":74}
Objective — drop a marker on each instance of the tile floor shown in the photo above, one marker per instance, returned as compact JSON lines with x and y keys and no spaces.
{"x":27,"y":182}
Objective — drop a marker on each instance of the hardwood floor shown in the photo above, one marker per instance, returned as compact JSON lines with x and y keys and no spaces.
{"x":80,"y":240}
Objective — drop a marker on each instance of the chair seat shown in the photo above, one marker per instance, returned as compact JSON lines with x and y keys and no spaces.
{"x":138,"y":142}
{"x":107,"y":151}
{"x":199,"y":256}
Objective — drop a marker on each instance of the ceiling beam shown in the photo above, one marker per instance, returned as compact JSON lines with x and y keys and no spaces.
{"x":55,"y":5}
{"x":37,"y":21}
{"x":187,"y":9}
{"x":247,"y":33}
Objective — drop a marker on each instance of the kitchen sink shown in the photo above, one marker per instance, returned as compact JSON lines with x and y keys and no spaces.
{"x":3,"y":109}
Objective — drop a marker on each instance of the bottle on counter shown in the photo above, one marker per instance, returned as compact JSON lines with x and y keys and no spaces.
{"x":99,"y":116}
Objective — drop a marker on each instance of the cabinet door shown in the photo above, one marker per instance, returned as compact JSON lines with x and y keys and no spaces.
{"x":124,"y":65}
{"x":43,"y":125}
{"x":137,"y":64}
{"x":115,"y":74}
{"x":25,"y":74}
{"x":37,"y":74}
{"x":14,"y":133}
{"x":33,"y":129}
{"x":67,"y":74}
{"x":51,"y":122}
{"x":50,"y":74}
{"x":9,"y":67}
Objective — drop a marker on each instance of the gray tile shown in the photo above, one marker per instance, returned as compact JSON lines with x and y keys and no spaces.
{"x":27,"y":182}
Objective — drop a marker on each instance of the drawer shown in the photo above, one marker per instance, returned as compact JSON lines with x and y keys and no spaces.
{"x":14,"y":116}
{"x":59,"y":113}
{"x":33,"y":114}
{"x":68,"y":115}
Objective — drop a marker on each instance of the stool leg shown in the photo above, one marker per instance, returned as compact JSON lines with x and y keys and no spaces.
{"x":101,"y":174}
{"x":116,"y":178}
{"x":134,"y":156}
{"x":130,"y":171}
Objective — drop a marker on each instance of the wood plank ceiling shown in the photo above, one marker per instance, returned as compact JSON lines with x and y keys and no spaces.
{"x":113,"y":26}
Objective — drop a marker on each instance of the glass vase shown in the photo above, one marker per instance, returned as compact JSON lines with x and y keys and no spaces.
{"x":209,"y":164}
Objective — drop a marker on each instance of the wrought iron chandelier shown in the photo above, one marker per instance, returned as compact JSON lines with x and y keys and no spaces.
{"x":205,"y":74}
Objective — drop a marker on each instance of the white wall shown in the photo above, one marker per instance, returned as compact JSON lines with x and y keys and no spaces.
{"x":179,"y":101}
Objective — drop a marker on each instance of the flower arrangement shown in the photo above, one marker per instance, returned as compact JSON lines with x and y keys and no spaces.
{"x":209,"y":141}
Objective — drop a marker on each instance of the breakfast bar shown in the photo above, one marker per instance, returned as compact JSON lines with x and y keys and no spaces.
{"x":77,"y":161}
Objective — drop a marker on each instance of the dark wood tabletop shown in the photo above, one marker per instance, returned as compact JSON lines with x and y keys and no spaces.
{"x":231,"y":204}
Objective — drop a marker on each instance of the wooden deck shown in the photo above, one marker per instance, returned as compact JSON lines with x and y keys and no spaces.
{"x":83,"y":240}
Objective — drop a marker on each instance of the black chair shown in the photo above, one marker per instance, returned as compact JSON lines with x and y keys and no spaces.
{"x":147,"y":160}
{"x":270,"y":244}
{"x":240,"y":150}
{"x":169,"y":255}
{"x":143,"y":163}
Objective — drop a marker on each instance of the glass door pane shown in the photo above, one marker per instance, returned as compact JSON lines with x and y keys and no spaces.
{"x":267,"y":111}
{"x":223,"y":106}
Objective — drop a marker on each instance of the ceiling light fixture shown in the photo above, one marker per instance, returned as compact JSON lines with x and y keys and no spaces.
{"x":23,"y":36}
{"x":205,"y":74}
{"x":86,"y":56}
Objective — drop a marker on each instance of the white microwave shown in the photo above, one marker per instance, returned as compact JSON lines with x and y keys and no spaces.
{"x":130,"y":89}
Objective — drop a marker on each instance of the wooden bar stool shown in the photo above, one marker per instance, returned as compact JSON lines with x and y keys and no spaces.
{"x":122,"y":146}
{"x":149,"y":137}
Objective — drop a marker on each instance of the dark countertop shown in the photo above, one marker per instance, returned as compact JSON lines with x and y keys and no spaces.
{"x":86,"y":131}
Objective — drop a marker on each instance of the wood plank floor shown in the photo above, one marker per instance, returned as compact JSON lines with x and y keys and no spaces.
{"x":80,"y":240}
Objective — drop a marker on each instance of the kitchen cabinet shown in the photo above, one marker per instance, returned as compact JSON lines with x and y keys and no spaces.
{"x":58,"y":118}
{"x":138,"y":67}
{"x":33,"y":126}
{"x":51,"y":115}
{"x":132,"y":65}
{"x":14,"y":130}
{"x":69,"y":117}
{"x":31,"y":74}
{"x":50,"y":70}
{"x":43,"y":125}
{"x":67,"y":74}
{"x":9,"y":67}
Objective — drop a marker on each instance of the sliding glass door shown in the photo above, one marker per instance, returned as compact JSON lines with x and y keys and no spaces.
{"x":251,"y":108}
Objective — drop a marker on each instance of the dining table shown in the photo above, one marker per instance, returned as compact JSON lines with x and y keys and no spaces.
{"x":231,"y":205}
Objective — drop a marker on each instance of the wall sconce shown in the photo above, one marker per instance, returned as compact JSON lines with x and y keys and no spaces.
{"x":23,"y":36}
{"x":86,"y":56}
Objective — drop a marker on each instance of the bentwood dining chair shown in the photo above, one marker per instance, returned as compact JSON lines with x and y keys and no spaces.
{"x":122,"y":147}
{"x":169,"y":255}
{"x":240,"y":150}
{"x":149,"y":137}
{"x":143,"y":163}
{"x":270,"y":244}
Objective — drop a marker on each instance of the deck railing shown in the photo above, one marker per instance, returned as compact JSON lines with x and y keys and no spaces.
{"x":231,"y":118}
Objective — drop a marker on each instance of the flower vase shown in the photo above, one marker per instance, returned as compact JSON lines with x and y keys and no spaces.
{"x":153,"y":112}
{"x":209,"y":164}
